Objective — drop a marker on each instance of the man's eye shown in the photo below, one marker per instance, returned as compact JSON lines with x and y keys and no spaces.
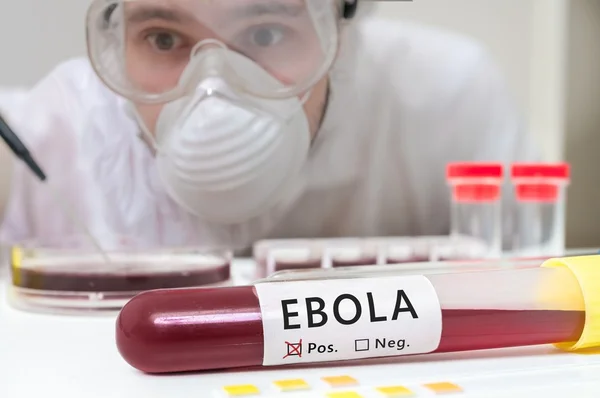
{"x":164,"y":41}
{"x":266,"y":36}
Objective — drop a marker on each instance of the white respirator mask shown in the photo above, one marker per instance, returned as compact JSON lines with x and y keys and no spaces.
{"x":228,"y":158}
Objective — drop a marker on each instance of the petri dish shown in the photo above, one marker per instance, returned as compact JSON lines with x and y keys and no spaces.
{"x":67,"y":280}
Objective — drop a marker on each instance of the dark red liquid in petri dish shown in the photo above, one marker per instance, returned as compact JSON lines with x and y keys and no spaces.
{"x":82,"y":281}
{"x":168,"y":331}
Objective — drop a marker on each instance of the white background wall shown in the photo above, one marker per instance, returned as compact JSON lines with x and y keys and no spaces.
{"x":527,"y":38}
{"x":38,"y":34}
{"x":583,"y":123}
{"x":488,"y":21}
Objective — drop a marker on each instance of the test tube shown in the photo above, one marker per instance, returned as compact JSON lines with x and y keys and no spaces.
{"x":539,"y":212}
{"x":346,"y":316}
{"x":476,"y":203}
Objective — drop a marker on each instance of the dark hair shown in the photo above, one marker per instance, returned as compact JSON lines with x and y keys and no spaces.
{"x":108,"y":14}
{"x":349,"y":8}
{"x":348,"y":11}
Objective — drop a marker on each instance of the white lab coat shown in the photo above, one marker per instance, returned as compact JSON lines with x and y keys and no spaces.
{"x":405,"y":100}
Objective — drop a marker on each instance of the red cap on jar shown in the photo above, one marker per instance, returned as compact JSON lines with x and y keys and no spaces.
{"x":474,"y":182}
{"x":560,"y":171}
{"x":464,"y":170}
{"x":539,"y":182}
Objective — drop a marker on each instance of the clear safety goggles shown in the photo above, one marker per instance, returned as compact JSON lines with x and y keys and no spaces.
{"x":143,"y":49}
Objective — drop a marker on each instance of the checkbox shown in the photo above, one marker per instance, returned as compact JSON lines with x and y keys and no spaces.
{"x":361,"y":345}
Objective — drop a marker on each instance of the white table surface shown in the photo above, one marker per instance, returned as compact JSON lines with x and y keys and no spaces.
{"x":76,"y":357}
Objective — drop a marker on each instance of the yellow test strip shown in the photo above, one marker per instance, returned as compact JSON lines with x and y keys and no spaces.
{"x":242,"y":390}
{"x":395,"y":392}
{"x":340,"y":381}
{"x":344,"y":394}
{"x":444,"y":388}
{"x":291,"y":385}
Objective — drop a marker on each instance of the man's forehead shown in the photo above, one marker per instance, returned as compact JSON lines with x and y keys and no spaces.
{"x":140,"y":10}
{"x":239,"y":7}
{"x":217,"y":3}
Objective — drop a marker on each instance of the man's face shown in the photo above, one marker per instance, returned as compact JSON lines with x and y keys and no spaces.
{"x":278,"y":35}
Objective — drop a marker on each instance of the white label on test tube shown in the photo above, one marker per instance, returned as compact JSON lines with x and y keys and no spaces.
{"x":347,"y":319}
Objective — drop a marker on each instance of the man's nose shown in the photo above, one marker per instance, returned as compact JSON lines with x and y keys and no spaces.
{"x":207,"y":60}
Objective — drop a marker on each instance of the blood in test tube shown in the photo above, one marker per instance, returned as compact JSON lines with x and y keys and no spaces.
{"x":167,"y":331}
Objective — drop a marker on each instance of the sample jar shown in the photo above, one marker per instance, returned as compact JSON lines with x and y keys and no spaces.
{"x":539,"y":211}
{"x":476,"y":203}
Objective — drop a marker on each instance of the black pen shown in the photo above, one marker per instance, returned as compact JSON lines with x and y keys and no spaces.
{"x":19,"y":149}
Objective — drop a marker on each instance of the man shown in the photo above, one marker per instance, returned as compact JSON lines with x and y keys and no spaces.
{"x":221,"y":123}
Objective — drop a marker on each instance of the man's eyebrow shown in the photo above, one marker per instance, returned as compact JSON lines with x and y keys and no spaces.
{"x":286,"y":8}
{"x":143,"y":14}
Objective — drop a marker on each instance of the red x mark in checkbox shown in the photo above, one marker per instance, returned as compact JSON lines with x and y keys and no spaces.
{"x":294,"y":349}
